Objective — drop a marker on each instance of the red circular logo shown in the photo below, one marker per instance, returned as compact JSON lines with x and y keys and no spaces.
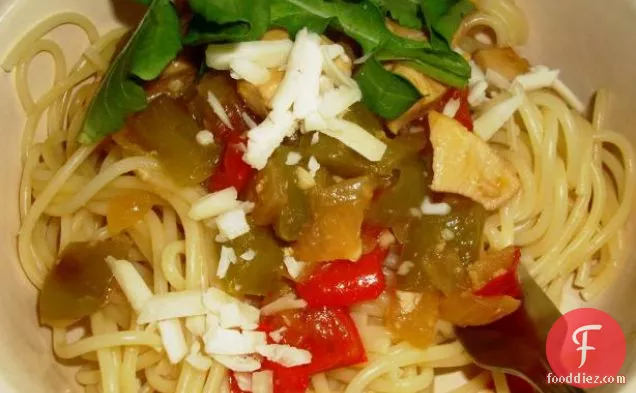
{"x":586,"y":348}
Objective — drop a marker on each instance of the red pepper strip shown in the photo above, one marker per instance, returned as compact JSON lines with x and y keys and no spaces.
{"x":463,"y":114}
{"x":232,"y":171}
{"x":234,"y":387}
{"x":288,"y":379}
{"x":342,"y":283}
{"x":328,"y":333}
{"x":506,"y":283}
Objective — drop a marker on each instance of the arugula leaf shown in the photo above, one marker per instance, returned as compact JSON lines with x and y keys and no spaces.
{"x":405,"y":12}
{"x":158,"y":41}
{"x":151,"y":47}
{"x":443,"y":17}
{"x":228,"y":20}
{"x":383,"y":92}
{"x":362,"y":21}
{"x":448,"y":24}
{"x":444,"y":65}
{"x":294,"y":15}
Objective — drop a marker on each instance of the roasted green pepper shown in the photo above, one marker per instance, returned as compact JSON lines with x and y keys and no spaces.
{"x":278,"y":199}
{"x":262,"y":274}
{"x":440,"y":248}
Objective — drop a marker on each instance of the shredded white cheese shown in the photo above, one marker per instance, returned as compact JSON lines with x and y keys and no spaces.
{"x":334,"y":51}
{"x":315,"y":138}
{"x":214,"y":204}
{"x":294,"y":267}
{"x":435,"y":209}
{"x":241,"y":363}
{"x":196,"y":325}
{"x":337,"y":101}
{"x":477,"y":94}
{"x":138,"y":295}
{"x":293,"y":158}
{"x":130,"y":282}
{"x":476,"y":74}
{"x":270,"y":54}
{"x":233,"y":224}
{"x":215,"y":301}
{"x":248,"y":70}
{"x":285,"y":303}
{"x":267,"y":136}
{"x":497,"y":80}
{"x":299,"y":90}
{"x":313,"y":166}
{"x":569,"y":96}
{"x":491,"y":121}
{"x":277,"y":335}
{"x":248,"y":255}
{"x":173,"y":340}
{"x":205,"y":138}
{"x":171,"y":305}
{"x":305,"y":179}
{"x":539,"y":77}
{"x":405,"y":268}
{"x":356,"y":138}
{"x":248,"y":120}
{"x":196,"y":359}
{"x":451,"y":107}
{"x":226,"y":258}
{"x":218,"y":109}
{"x":326,"y":85}
{"x":285,"y":355}
{"x":236,"y":315}
{"x":244,"y":381}
{"x":333,"y":72}
{"x":220,"y":341}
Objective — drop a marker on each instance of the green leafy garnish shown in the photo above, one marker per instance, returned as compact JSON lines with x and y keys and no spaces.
{"x":383,"y":92}
{"x":295,"y":15}
{"x":405,"y":12}
{"x":228,"y":20}
{"x":443,"y":17}
{"x":446,"y":66}
{"x":362,"y":21}
{"x":152,"y":46}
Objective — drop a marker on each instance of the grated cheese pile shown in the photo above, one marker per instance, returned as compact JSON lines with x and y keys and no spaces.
{"x":228,"y":334}
{"x":313,"y":95}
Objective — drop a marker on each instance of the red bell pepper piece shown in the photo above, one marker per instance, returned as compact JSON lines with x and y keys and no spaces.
{"x":463,"y":114}
{"x":232,"y":170}
{"x":506,"y":283}
{"x":328,"y":333}
{"x":342,"y":283}
{"x":288,"y":379}
{"x":234,"y":387}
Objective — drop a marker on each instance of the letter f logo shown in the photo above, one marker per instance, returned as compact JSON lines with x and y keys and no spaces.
{"x":583,"y":343}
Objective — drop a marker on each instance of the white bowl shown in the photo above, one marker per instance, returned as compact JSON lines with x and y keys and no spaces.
{"x":590,"y":41}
